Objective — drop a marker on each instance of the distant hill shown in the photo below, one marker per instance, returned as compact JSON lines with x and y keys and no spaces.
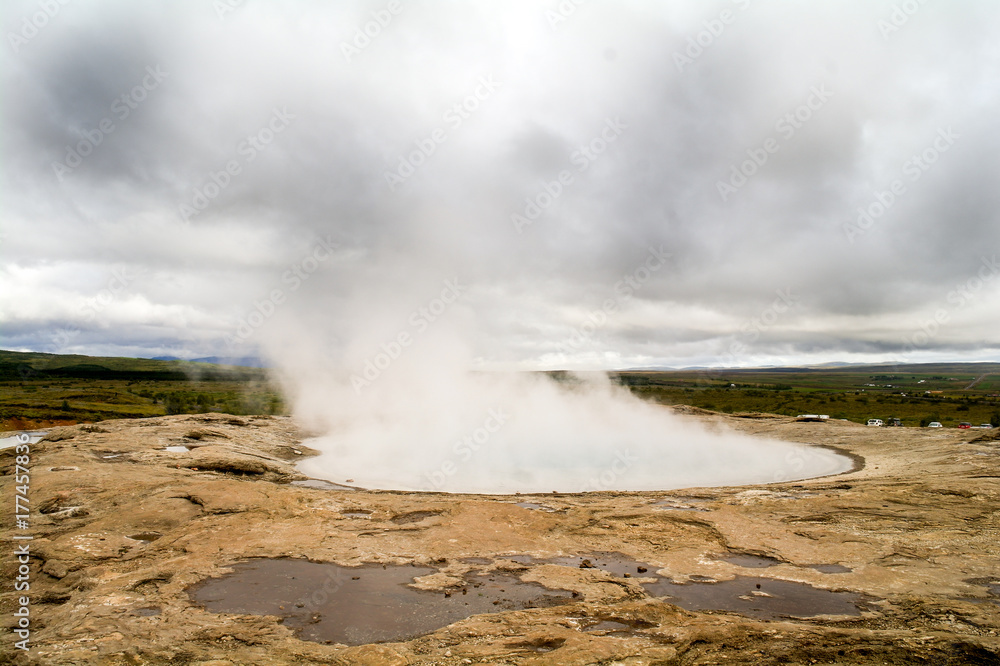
{"x":239,"y":361}
{"x":24,"y":365}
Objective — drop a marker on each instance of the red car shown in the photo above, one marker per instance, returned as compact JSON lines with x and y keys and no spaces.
{"x":964,"y":424}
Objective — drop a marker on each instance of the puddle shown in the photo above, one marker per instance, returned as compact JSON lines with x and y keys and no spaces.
{"x":534,"y":506}
{"x":680,"y":504}
{"x":10,"y":439}
{"x":329,"y":603}
{"x":762,"y":598}
{"x":831,"y":568}
{"x":609,"y":627}
{"x":177,"y":449}
{"x":320,"y":484}
{"x":145,"y":536}
{"x":992,"y":585}
{"x":414,"y":517}
{"x":979,"y":600}
{"x":145,"y":612}
{"x":772,"y":599}
{"x":748,"y":561}
{"x":361,"y":513}
{"x":614,"y":563}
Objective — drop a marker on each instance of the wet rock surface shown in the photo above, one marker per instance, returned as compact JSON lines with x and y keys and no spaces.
{"x":894,"y":562}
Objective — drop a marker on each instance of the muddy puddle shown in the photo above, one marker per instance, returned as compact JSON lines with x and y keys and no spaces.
{"x":681,"y":503}
{"x":145,"y":536}
{"x":535,"y":506}
{"x":614,"y":563}
{"x":329,"y":603}
{"x":992,"y":586}
{"x":9,"y":439}
{"x":414,"y":517}
{"x":764,"y":598}
{"x":748,"y":561}
{"x":608,"y":627}
{"x":320,"y":484}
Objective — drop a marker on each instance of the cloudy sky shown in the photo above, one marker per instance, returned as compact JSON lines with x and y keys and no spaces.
{"x":543,"y":184}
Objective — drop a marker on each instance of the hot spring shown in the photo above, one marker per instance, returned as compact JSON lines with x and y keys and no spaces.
{"x":530,"y":434}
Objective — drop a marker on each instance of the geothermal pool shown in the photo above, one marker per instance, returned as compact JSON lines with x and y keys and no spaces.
{"x":732,"y":460}
{"x":507,"y":434}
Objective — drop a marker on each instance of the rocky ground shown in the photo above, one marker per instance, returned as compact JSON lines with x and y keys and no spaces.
{"x":122,"y":528}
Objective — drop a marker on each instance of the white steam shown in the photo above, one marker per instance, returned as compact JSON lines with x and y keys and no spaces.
{"x":387,"y":378}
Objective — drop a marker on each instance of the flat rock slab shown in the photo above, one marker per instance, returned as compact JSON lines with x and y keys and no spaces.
{"x":130,"y":529}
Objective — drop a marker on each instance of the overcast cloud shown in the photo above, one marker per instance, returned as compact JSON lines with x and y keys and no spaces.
{"x":603,"y":184}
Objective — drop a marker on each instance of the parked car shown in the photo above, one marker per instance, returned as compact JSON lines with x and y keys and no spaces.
{"x":934,"y":424}
{"x":965,"y":425}
{"x":894,"y":423}
{"x":875,"y":422}
{"x":986,"y":426}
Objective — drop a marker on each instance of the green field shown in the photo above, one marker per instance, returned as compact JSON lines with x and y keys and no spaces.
{"x":40,"y":390}
{"x":917,"y":393}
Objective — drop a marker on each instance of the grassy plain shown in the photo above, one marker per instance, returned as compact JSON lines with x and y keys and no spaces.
{"x":916,"y":393}
{"x":41,"y":390}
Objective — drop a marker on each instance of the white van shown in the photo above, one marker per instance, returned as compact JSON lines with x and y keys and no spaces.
{"x":875,"y":422}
